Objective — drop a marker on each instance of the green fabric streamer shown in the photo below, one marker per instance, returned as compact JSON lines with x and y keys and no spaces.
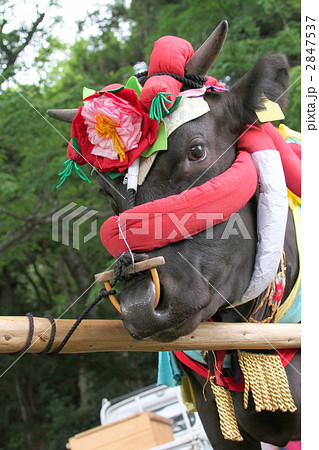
{"x":68,"y":170}
{"x":158,"y":107}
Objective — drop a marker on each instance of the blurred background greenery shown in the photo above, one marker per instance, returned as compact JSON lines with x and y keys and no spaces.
{"x":46,"y":400}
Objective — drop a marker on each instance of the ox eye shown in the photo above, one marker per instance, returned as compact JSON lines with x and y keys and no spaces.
{"x":197,"y":153}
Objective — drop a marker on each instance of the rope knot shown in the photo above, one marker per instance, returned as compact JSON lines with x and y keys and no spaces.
{"x":122,"y":263}
{"x":104,"y":293}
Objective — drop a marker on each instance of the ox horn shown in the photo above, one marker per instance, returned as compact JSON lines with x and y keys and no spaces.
{"x":204,"y":57}
{"x":65,"y":115}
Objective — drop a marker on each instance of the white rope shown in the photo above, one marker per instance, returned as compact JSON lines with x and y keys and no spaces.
{"x":126,"y":243}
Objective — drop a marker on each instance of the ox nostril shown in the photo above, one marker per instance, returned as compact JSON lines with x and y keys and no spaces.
{"x":138,"y":296}
{"x":138,"y":300}
{"x":157,"y":285}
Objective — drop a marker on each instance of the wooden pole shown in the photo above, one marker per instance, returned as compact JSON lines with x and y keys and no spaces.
{"x":110,"y":335}
{"x":138,"y":267}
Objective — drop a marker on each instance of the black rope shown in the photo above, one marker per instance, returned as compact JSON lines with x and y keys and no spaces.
{"x":103,"y":294}
{"x":189,"y":81}
{"x":130,"y":199}
{"x":122,"y":263}
{"x":52,"y":336}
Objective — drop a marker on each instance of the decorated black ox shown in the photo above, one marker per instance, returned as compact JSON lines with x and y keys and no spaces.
{"x":210,"y":266}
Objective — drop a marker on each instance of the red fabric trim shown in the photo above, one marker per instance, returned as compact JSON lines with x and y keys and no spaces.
{"x":194,"y":365}
{"x":290,"y":160}
{"x":293,"y":445}
{"x":296,"y":148}
{"x":227,"y":382}
{"x":171,"y":219}
{"x":266,"y":137}
{"x":211,"y":81}
{"x":286,"y":356}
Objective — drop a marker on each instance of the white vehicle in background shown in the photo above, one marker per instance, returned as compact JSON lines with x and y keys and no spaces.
{"x":187,"y":428}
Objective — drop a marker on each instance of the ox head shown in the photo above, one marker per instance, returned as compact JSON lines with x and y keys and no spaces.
{"x":202,"y":274}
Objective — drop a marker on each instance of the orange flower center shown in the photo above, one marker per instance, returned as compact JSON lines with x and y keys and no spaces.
{"x":106,"y":128}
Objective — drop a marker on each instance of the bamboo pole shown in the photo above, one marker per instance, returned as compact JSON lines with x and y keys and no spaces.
{"x":110,"y":335}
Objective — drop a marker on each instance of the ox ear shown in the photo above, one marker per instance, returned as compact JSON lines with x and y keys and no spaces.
{"x":269,"y":77}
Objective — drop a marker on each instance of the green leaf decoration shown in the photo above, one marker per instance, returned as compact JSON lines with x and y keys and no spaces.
{"x":114,"y":175}
{"x":75,"y":145}
{"x":134,"y":84}
{"x":160,"y":143}
{"x":87,"y":92}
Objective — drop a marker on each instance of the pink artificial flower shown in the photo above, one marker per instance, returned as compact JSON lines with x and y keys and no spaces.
{"x":112,"y":129}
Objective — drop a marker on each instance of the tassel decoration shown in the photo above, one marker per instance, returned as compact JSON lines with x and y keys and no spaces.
{"x":267,"y":379}
{"x":225,"y":408}
{"x":68,"y":170}
{"x":158,"y":105}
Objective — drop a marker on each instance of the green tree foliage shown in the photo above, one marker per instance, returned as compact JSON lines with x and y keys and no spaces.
{"x":46,"y":400}
{"x":16,"y":36}
{"x":255,"y":28}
